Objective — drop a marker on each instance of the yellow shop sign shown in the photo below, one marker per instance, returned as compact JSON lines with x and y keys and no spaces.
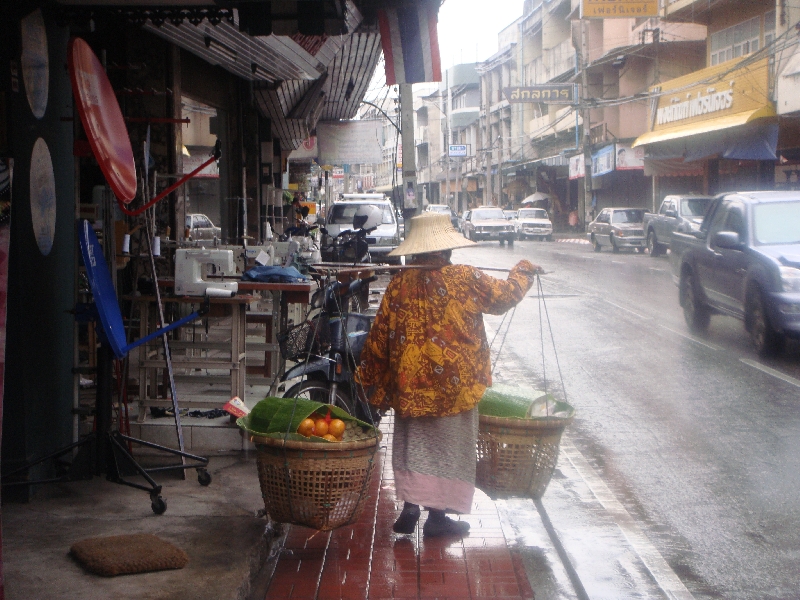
{"x":611,"y":9}
{"x":710,"y":93}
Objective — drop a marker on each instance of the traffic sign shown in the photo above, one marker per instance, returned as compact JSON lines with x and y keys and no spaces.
{"x":458,"y":150}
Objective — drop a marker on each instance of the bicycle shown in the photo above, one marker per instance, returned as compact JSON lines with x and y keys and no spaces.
{"x":326,"y":349}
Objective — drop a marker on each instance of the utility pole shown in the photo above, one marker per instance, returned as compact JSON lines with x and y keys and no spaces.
{"x":411,"y":203}
{"x":587,"y":131}
{"x":447,"y":134}
{"x":490,"y":153}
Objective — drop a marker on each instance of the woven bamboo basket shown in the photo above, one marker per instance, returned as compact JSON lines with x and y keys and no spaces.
{"x":317,"y":485}
{"x":516,"y":457}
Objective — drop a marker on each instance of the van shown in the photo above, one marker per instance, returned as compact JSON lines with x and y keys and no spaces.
{"x":384,"y":239}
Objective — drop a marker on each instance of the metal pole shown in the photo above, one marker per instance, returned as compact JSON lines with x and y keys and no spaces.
{"x":457,"y":207}
{"x":587,"y":133}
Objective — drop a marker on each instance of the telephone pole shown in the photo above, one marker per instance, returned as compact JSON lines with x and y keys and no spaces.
{"x":411,"y":203}
{"x":587,"y":131}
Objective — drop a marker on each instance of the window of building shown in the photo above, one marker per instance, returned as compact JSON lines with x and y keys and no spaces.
{"x":736,"y":41}
{"x":769,"y":27}
{"x":422,"y":116}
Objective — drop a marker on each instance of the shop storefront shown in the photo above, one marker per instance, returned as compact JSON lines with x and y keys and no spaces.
{"x":618,"y":178}
{"x":715,"y":129}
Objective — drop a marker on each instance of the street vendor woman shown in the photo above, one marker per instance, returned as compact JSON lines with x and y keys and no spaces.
{"x":427,"y":358}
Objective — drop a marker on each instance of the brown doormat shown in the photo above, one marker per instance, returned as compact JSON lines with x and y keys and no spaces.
{"x":126,"y":554}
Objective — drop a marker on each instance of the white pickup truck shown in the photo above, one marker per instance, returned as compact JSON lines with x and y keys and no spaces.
{"x":682,"y":213}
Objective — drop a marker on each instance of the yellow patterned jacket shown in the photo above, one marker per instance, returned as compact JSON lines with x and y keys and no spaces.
{"x":426,"y":353}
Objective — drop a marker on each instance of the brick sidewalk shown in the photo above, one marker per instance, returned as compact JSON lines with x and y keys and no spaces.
{"x":368,"y":561}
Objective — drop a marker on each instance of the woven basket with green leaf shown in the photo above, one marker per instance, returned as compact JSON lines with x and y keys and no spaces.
{"x":519,"y":433}
{"x":307,"y":480}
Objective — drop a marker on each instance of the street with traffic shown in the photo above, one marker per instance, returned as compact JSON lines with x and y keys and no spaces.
{"x":684,"y":451}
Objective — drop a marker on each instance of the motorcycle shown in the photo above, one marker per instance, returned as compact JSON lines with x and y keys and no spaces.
{"x":327,"y":347}
{"x":351,"y":245}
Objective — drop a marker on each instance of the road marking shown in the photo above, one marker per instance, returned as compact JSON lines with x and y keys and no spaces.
{"x":573,"y":240}
{"x":627,"y":310}
{"x":769,"y":371}
{"x":662,"y":573}
{"x":690,"y":338}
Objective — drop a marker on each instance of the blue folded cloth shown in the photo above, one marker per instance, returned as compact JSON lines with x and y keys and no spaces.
{"x":274,"y":275}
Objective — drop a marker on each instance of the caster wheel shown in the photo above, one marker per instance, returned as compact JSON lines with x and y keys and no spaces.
{"x":203,"y":477}
{"x":159,"y":505}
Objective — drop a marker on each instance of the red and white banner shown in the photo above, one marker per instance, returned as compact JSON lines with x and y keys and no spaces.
{"x":410,"y":43}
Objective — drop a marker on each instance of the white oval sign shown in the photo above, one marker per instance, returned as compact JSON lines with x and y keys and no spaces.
{"x":43,"y":197}
{"x":35,"y":62}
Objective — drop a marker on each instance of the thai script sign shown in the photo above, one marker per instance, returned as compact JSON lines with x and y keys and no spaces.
{"x":609,"y":9}
{"x":549,"y":94}
{"x":458,"y":150}
{"x":699,"y":105}
{"x":710,"y":93}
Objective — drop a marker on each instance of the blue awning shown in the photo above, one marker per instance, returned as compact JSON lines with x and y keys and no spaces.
{"x":757,"y":140}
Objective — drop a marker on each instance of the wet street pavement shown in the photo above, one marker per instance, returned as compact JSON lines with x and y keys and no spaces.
{"x":688,"y":447}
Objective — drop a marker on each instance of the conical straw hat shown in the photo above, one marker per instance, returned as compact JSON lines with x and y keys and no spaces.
{"x":431,"y":232}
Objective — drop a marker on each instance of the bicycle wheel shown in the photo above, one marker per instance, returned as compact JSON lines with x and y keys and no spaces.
{"x":320,"y":391}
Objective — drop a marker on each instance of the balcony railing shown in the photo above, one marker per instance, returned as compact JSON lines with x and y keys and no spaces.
{"x":561,"y":59}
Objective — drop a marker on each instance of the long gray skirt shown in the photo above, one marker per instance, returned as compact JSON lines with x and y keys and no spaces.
{"x":434,"y":460}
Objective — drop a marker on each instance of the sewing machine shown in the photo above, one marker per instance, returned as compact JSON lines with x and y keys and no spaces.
{"x":193,"y":266}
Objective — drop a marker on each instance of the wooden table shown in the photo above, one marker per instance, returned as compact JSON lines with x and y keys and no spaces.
{"x":234,"y":350}
{"x":283,"y":294}
{"x":276,"y":321}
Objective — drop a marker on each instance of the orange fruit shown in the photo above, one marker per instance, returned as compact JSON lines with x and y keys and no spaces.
{"x":306,"y":427}
{"x":329,"y":437}
{"x":336,"y":427}
{"x":321,"y":427}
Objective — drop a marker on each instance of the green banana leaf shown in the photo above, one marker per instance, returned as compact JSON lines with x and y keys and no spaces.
{"x":509,"y":401}
{"x":280,"y":417}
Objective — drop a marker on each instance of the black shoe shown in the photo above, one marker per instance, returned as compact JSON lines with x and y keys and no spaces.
{"x":406,"y":523}
{"x":444,"y":526}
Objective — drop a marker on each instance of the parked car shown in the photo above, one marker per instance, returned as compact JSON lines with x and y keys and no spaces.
{"x":200,"y":227}
{"x":618,"y":228}
{"x":677,"y":213}
{"x":462,"y":219}
{"x":533,"y":222}
{"x":444,"y":209}
{"x":488,"y":223}
{"x":510,"y":214}
{"x":382,"y":240}
{"x":744,"y":262}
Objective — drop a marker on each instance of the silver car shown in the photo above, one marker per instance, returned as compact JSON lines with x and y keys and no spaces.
{"x":489,"y":223}
{"x":533,"y":222}
{"x":445,"y":210}
{"x":200,"y":227}
{"x":618,"y":228}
